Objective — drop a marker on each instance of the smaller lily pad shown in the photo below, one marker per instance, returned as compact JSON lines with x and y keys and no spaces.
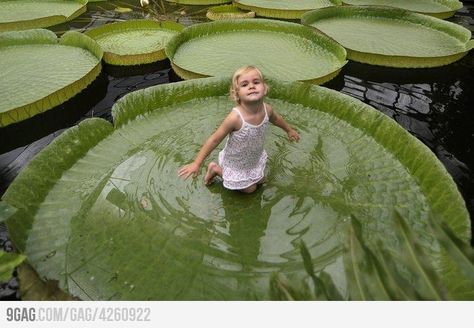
{"x":134,"y":42}
{"x":392,"y":37}
{"x":284,"y":50}
{"x":437,"y":8}
{"x":27,"y":14}
{"x":199,"y":2}
{"x":40,"y":71}
{"x":286,"y":9}
{"x":228,"y":12}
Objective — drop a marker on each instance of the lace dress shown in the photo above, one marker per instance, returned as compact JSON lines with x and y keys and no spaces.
{"x":243,"y":158}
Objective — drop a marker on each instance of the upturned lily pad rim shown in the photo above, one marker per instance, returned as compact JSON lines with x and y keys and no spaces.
{"x":199,"y":2}
{"x":228,"y":12}
{"x":453,"y":5}
{"x":278,"y":13}
{"x":204,"y":29}
{"x":43,"y":21}
{"x":43,"y":36}
{"x":134,"y":25}
{"x":451,"y":29}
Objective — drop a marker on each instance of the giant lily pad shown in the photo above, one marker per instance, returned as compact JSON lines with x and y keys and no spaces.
{"x":392,"y":37}
{"x":134,"y":42}
{"x":287,"y":9}
{"x":102,"y":211}
{"x":437,"y":8}
{"x":40,"y":72}
{"x":27,"y":14}
{"x":284,"y":50}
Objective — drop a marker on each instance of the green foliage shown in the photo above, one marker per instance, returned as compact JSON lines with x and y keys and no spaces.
{"x":382,"y":274}
{"x":8,"y":262}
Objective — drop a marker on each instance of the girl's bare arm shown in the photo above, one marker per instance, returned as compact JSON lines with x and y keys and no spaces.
{"x":279,"y":121}
{"x":227,"y":126}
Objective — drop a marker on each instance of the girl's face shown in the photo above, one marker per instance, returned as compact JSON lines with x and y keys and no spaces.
{"x":251,"y":87}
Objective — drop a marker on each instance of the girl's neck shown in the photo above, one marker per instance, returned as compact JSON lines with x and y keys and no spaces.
{"x":252,"y":107}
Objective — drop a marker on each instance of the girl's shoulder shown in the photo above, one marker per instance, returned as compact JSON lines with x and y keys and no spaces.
{"x":269,"y":109}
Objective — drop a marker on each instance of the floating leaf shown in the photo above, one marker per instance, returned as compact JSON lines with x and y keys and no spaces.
{"x":440,"y":9}
{"x":219,"y":48}
{"x":28,"y":14}
{"x":199,"y":2}
{"x":287,"y":9}
{"x":134,"y":42}
{"x":392,"y":37}
{"x":61,"y":68}
{"x":102,"y":212}
{"x":228,"y":12}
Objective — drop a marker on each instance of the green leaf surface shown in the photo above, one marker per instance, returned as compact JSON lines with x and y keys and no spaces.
{"x":437,"y":8}
{"x":287,"y":9}
{"x":199,"y":2}
{"x":61,"y":68}
{"x":8,"y":262}
{"x":28,"y":14}
{"x":228,"y":12}
{"x":113,"y":221}
{"x":134,"y":42}
{"x":392,"y":37}
{"x":219,"y":48}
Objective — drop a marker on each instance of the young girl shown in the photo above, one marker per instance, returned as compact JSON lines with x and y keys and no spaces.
{"x":242,"y":161}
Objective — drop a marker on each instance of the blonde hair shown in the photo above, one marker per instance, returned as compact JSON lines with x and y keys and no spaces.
{"x":234,"y":86}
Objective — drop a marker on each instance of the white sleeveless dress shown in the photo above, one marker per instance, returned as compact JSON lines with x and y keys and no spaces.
{"x":243,"y":158}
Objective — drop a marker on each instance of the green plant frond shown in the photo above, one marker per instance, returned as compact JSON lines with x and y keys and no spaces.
{"x":8,"y":262}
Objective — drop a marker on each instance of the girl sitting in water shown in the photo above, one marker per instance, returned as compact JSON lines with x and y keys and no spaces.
{"x":242,"y":161}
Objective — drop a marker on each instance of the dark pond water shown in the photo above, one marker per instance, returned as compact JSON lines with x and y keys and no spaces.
{"x":435,"y":105}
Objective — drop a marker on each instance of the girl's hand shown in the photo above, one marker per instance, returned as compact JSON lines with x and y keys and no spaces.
{"x":190,"y":169}
{"x":293,"y":135}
